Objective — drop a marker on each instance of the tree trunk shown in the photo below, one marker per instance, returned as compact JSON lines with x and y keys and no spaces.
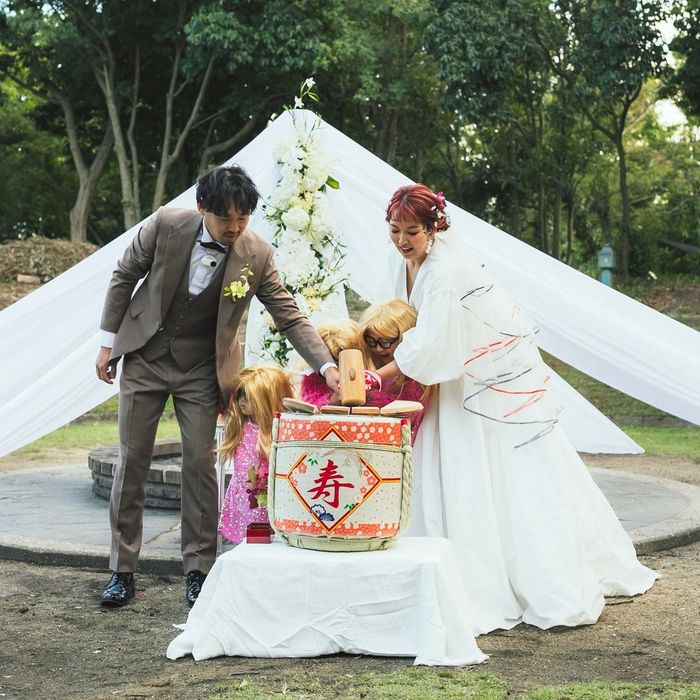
{"x":514,"y":213}
{"x":228,"y":144}
{"x":127,"y":166}
{"x":380,"y":143}
{"x":168,"y":157}
{"x":570,"y":232}
{"x":626,"y":223}
{"x":514,"y":198}
{"x":392,"y":137}
{"x":541,"y":221}
{"x":86,"y":189}
{"x":420,"y":164}
{"x":88,"y":176}
{"x":556,"y":222}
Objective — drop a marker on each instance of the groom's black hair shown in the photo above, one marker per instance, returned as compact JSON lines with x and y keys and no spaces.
{"x":221,"y":187}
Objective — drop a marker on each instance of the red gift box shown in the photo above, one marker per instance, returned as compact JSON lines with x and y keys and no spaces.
{"x":258,"y":533}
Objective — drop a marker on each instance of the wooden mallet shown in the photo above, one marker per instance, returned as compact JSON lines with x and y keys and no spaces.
{"x":352,"y":378}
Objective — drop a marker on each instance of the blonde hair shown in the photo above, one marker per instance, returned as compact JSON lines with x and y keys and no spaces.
{"x":264,"y":386}
{"x":390,"y":319}
{"x":341,"y":335}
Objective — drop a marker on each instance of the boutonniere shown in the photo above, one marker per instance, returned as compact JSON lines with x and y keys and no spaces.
{"x":240,"y":287}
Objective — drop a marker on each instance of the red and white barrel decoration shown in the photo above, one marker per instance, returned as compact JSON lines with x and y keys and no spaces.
{"x":339,"y":482}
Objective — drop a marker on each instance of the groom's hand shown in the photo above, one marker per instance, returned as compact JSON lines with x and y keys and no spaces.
{"x":332,"y":377}
{"x":105,"y":371}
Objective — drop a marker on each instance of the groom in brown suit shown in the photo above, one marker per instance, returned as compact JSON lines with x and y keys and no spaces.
{"x":178,"y":335}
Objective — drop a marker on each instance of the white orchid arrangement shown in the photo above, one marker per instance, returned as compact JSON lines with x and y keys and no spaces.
{"x":307,"y":250}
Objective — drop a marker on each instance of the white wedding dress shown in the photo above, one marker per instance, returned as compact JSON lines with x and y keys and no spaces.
{"x":535,"y":539}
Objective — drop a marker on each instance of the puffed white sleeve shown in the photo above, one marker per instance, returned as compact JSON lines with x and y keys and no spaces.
{"x":435,"y":350}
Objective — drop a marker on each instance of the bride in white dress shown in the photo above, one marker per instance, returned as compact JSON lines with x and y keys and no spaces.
{"x":535,"y":539}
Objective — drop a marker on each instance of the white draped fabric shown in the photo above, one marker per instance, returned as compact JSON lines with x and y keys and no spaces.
{"x":403,"y":601}
{"x":534,"y":538}
{"x":49,"y":339}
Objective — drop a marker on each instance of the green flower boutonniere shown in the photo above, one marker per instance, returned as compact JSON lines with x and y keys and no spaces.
{"x":240,"y":287}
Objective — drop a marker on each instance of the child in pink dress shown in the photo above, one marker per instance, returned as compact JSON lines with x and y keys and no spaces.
{"x":338,"y":336}
{"x":255,"y":398}
{"x":381,"y":328}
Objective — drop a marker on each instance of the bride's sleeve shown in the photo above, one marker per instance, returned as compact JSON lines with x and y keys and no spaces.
{"x":435,"y":350}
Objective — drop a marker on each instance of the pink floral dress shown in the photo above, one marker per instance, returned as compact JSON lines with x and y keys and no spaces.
{"x":315,"y":390}
{"x":236,"y":513}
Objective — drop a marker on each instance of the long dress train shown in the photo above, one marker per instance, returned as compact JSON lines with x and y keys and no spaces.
{"x":535,"y":539}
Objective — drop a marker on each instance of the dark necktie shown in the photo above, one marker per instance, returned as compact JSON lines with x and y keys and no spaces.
{"x":213,"y":245}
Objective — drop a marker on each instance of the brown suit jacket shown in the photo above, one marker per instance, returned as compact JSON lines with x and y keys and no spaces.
{"x":161,"y":252}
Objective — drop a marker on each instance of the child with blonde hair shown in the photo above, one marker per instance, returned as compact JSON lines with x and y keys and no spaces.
{"x":256,"y":396}
{"x":338,"y":336}
{"x":381,"y":329}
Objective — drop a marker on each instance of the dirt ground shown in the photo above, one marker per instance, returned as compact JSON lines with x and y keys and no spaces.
{"x":56,"y":642}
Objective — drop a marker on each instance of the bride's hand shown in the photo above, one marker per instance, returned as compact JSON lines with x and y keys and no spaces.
{"x":372,"y":380}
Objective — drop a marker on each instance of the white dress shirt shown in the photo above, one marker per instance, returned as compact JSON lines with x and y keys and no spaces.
{"x":201,"y":275}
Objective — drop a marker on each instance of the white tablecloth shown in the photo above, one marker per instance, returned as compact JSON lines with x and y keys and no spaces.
{"x":278,"y":601}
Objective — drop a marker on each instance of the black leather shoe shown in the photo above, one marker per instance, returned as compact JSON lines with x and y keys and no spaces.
{"x":119,"y":590}
{"x":193,"y":586}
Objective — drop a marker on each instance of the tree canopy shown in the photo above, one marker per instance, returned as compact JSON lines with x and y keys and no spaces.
{"x":541,"y":117}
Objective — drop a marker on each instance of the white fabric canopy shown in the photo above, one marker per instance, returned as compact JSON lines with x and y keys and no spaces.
{"x":49,"y":339}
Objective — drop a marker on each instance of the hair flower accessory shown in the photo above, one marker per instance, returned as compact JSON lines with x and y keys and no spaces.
{"x":240,"y":287}
{"x":439,"y":206}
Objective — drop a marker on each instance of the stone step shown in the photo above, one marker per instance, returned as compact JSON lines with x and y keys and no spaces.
{"x":164,"y":475}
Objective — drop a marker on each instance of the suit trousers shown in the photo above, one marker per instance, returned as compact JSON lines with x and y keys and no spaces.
{"x":144,"y":389}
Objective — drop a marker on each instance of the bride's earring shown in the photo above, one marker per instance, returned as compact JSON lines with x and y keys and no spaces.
{"x":429,"y":247}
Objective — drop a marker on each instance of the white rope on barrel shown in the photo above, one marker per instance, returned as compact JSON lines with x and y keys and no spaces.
{"x":407,"y":478}
{"x":271,"y":472}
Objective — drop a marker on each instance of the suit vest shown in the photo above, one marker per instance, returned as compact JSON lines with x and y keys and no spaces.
{"x":188,"y":333}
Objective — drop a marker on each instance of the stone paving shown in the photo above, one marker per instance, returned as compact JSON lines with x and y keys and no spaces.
{"x":51,"y":516}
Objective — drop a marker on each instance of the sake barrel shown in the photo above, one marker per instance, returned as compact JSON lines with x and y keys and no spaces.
{"x":340,"y":483}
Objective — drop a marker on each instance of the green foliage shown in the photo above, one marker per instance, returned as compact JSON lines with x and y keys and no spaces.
{"x":685,"y":81}
{"x":520,"y":110}
{"x":36,"y":180}
{"x":615,"y":48}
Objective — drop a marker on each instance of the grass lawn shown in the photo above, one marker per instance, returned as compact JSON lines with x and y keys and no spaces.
{"x":667,"y":441}
{"x":430,"y":683}
{"x":87,"y":436}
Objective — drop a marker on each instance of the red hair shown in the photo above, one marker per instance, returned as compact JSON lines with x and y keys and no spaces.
{"x":418,"y":203}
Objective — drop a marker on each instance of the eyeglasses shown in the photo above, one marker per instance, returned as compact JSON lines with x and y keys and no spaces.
{"x":385,"y":343}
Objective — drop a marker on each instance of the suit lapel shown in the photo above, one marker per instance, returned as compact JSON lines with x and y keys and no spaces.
{"x":239,"y":256}
{"x":178,"y":253}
